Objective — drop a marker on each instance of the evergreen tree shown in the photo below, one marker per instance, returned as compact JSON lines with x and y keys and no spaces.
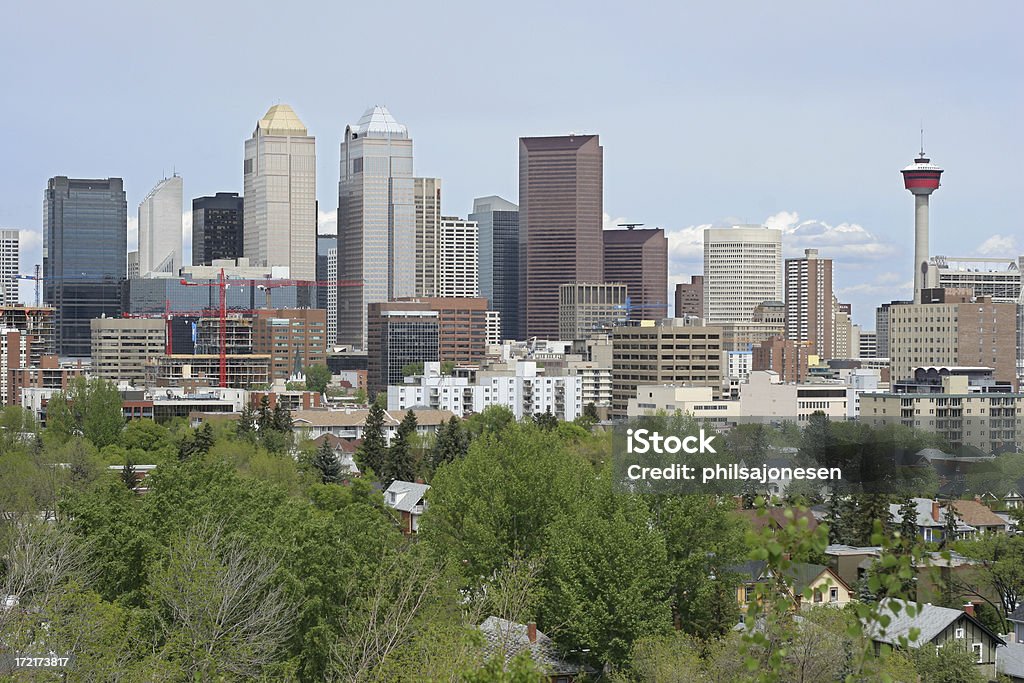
{"x":871,"y":507}
{"x":546,"y":420}
{"x":400,"y":464}
{"x":949,"y":528}
{"x":373,"y":451}
{"x":834,"y":518}
{"x":590,"y":413}
{"x":186,"y":448}
{"x":128,"y":475}
{"x":264,"y":418}
{"x":203,"y":440}
{"x":244,"y":426}
{"x":281,"y":419}
{"x":326,"y":462}
{"x":908,"y":523}
{"x":451,"y":444}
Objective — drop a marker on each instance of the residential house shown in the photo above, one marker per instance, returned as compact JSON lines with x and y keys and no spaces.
{"x":1013,"y":500}
{"x":506,"y":639}
{"x":775,"y":518}
{"x":937,"y":627}
{"x":978,"y":515}
{"x":1016,"y":619}
{"x":407,"y":498}
{"x":852,"y":563}
{"x":931,"y":520}
{"x":344,"y":450}
{"x":826,"y":587}
{"x":347,"y":423}
{"x":1010,"y":662}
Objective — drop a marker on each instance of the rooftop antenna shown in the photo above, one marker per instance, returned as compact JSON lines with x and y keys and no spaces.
{"x":630,"y":226}
{"x":922,"y":138}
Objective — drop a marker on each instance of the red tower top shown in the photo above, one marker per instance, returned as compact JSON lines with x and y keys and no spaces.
{"x":922,"y":176}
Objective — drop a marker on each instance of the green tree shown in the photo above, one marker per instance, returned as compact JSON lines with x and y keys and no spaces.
{"x":451,"y":443}
{"x":203,"y":439}
{"x":546,"y":420}
{"x":244,"y":427}
{"x":326,"y":462}
{"x":89,"y":408}
{"x":372,"y":452}
{"x":399,"y":463}
{"x":317,"y":378}
{"x":908,"y":523}
{"x":281,"y":420}
{"x":951,"y":663}
{"x":264,"y":416}
{"x":411,"y":369}
{"x":128,"y":475}
{"x":949,"y":529}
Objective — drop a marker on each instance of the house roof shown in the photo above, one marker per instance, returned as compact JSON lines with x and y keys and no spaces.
{"x":407,"y":494}
{"x":1017,"y":615}
{"x":976,"y":514}
{"x":924,"y":515}
{"x":508,"y":639}
{"x":930,"y":619}
{"x":1010,"y":660}
{"x":338,"y":443}
{"x":776,"y":516}
{"x":355,"y":417}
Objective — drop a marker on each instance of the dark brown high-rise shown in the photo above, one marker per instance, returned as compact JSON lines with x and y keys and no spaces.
{"x":560,"y":224}
{"x":639,"y":259}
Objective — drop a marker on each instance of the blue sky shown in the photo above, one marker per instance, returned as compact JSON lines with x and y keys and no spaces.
{"x":795,"y":114}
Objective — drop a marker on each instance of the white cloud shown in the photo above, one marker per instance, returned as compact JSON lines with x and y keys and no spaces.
{"x":327,"y":222}
{"x":999,"y":245}
{"x":133,"y":232}
{"x":845,"y":241}
{"x":186,"y":237}
{"x":882,"y":286}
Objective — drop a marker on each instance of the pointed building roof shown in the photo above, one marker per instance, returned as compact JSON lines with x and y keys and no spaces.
{"x":281,"y":120}
{"x":377,"y":122}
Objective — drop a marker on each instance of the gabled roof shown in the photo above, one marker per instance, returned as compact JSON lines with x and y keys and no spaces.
{"x":800,"y":575}
{"x":407,"y":494}
{"x":1017,"y":615}
{"x":930,"y":619}
{"x":507,"y":639}
{"x":976,"y":514}
{"x":924,"y":515}
{"x":776,"y":516}
{"x":1010,"y":660}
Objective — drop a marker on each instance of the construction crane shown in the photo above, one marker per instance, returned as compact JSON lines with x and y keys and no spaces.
{"x":269,"y":285}
{"x":38,"y":277}
{"x":629,"y":306}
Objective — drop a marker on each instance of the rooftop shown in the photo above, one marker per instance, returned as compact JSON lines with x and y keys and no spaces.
{"x":281,"y":120}
{"x":377,"y":122}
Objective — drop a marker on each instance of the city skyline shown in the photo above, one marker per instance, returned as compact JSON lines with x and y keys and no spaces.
{"x":808,"y":88}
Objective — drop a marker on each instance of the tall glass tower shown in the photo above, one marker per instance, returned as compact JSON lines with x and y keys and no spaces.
{"x":376,"y":220}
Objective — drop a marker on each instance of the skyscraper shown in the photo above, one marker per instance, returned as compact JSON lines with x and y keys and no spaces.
{"x":560,"y":224}
{"x":690,"y":297}
{"x":376,"y":219}
{"x":742,"y":268}
{"x":85,"y":245}
{"x":457,"y":271}
{"x":280,"y":194}
{"x":216,"y":228}
{"x":809,"y":315}
{"x":498,"y":233}
{"x":428,"y":233}
{"x":639,"y":259}
{"x":324,"y":245}
{"x":10,"y":242}
{"x":160,"y":228}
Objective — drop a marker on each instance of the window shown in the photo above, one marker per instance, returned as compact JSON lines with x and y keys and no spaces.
{"x":978,"y":652}
{"x":833,"y":594}
{"x":960,"y":633}
{"x":817,"y":596}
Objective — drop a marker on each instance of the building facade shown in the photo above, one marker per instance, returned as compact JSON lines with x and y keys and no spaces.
{"x":560,"y":224}
{"x":784,"y":357}
{"x":742,"y":268}
{"x":585,"y":308}
{"x":809,"y":316}
{"x":427,"y":193}
{"x":217,"y":228}
{"x":121,"y":347}
{"x":498,"y":233}
{"x":85,"y":245}
{"x":279,"y":222}
{"x":10,"y":266}
{"x":160,"y":228}
{"x":458,"y":265}
{"x":639,"y":258}
{"x":294,"y":338}
{"x":398,"y":336}
{"x":376,"y":220}
{"x":690,"y":297}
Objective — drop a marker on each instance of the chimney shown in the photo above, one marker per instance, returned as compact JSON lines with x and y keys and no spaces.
{"x":969,"y":608}
{"x":935,"y":510}
{"x":531,"y":631}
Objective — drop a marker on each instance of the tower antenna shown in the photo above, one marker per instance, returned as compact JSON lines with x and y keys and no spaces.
{"x":922,"y":137}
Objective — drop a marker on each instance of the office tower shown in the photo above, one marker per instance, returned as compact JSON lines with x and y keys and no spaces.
{"x":638,"y":257}
{"x":882,"y":326}
{"x":294,"y":338}
{"x":376,"y":220}
{"x":921,"y":178}
{"x":664,"y":354}
{"x":10,"y":242}
{"x":134,"y":272}
{"x":160,"y":228}
{"x":398,"y":335}
{"x":586,"y":309}
{"x":809,"y":316}
{"x":783,"y":356}
{"x":497,"y":223}
{"x":560,"y":224}
{"x":742,"y":268}
{"x":121,"y":347}
{"x":279,"y":221}
{"x":85,"y":245}
{"x":462,"y":325}
{"x":324,"y":245}
{"x":953,"y":328}
{"x":844,"y":342}
{"x":868,"y":347}
{"x":458,"y":248}
{"x":217,"y":224}
{"x":690,"y":297}
{"x":332,"y":297}
{"x":427,"y":193}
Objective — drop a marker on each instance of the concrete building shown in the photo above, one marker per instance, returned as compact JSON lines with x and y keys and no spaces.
{"x":294,"y":338}
{"x":85,"y":246}
{"x":785,"y":357}
{"x":249,"y":371}
{"x":121,"y":347}
{"x":134,"y":272}
{"x":739,"y":364}
{"x":868,"y":347}
{"x":36,"y":322}
{"x":15,"y":352}
{"x":844,"y":341}
{"x":217,"y":228}
{"x":998,"y":278}
{"x":400,"y":333}
{"x":560,"y":224}
{"x":49,"y":375}
{"x":666,"y":353}
{"x":585,"y":308}
{"x":596,"y":379}
{"x":882,"y":326}
{"x":526,"y":391}
{"x":498,"y":230}
{"x":638,"y":257}
{"x":160,"y":229}
{"x":376,"y":220}
{"x":697,"y":402}
{"x":279,"y":212}
{"x":953,"y":328}
{"x":742,"y":268}
{"x":10,"y":245}
{"x":745,"y":336}
{"x":458,"y":266}
{"x":767,"y":395}
{"x":809,"y":314}
{"x":332,"y":298}
{"x":690,"y":297}
{"x":427,"y":195}
{"x":493,"y":328}
{"x":324,"y":245}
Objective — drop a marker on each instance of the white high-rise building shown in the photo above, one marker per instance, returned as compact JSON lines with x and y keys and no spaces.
{"x":160,"y":228}
{"x":279,"y":215}
{"x":742,"y":268}
{"x":10,"y":242}
{"x":376,"y":220}
{"x":458,"y":272}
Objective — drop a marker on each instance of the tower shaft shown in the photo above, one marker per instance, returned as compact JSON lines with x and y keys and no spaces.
{"x":920,"y":244}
